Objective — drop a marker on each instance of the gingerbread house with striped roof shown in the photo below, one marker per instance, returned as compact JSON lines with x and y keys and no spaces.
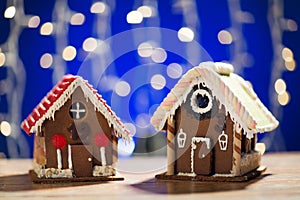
{"x":76,"y":133}
{"x":212,"y":117}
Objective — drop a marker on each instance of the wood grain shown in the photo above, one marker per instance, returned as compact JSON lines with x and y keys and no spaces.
{"x":280,"y":181}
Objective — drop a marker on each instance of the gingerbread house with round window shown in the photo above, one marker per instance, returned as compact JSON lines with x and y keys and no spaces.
{"x":76,"y":134}
{"x":212,"y":117}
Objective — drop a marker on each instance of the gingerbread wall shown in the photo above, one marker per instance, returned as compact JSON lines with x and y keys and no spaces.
{"x":79,"y":133}
{"x":198,"y":129}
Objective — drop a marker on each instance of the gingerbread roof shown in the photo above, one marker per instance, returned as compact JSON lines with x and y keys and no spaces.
{"x":233,"y":92}
{"x":60,"y":93}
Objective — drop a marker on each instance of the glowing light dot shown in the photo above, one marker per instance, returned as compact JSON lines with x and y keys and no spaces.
{"x":77,"y":19}
{"x":158,"y":82}
{"x":225,"y":37}
{"x":174,"y":70}
{"x":283,"y":98}
{"x":145,"y":49}
{"x":2,"y":59}
{"x":142,"y":120}
{"x":185,"y":34}
{"x":290,"y":65}
{"x":34,"y":22}
{"x":69,"y":53}
{"x":146,"y":11}
{"x":5,"y":128}
{"x":159,"y":55}
{"x":280,"y":86}
{"x":131,"y":128}
{"x":292,"y":25}
{"x":46,"y":28}
{"x":89,"y":44}
{"x":98,"y":7}
{"x":134,"y":17}
{"x":125,"y":148}
{"x":46,"y":60}
{"x":122,"y":88}
{"x":287,"y":54}
{"x":10,"y":12}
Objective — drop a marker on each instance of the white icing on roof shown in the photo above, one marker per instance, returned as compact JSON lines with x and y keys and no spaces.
{"x":231,"y":90}
{"x":58,"y":96}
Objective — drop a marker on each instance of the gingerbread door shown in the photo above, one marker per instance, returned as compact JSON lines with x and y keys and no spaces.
{"x":201,"y":156}
{"x":82,"y":161}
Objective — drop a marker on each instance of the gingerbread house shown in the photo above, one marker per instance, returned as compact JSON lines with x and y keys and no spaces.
{"x":212,"y":117}
{"x":76,"y":133}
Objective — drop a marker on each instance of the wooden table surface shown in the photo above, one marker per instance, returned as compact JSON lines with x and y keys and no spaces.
{"x":280,"y":181}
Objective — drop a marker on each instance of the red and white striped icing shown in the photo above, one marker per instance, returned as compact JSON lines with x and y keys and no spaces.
{"x":58,"y":96}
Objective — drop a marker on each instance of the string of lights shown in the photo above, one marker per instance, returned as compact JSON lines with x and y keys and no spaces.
{"x":283,"y":60}
{"x":14,"y":84}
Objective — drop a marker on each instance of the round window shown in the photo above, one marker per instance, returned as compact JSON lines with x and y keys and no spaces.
{"x":201,"y":101}
{"x":77,"y":110}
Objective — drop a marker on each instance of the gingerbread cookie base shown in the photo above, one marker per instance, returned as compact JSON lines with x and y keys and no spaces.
{"x":246,"y":177}
{"x":35,"y":179}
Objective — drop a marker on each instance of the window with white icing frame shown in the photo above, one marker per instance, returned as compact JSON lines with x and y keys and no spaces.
{"x":77,"y":110}
{"x":201,"y":101}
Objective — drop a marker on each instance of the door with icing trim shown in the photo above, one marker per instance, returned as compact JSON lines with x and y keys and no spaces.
{"x":82,"y":161}
{"x":201,"y":157}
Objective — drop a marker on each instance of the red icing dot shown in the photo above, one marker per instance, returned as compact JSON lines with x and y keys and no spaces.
{"x":101,"y":140}
{"x":59,"y":141}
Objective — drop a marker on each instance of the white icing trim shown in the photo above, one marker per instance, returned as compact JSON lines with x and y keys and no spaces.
{"x":90,"y":94}
{"x":59,"y":163}
{"x":186,"y":174}
{"x":181,"y":139}
{"x":194,"y":104}
{"x":194,"y":146}
{"x":205,"y":72}
{"x":70,"y":162}
{"x":103,"y":158}
{"x":223,"y":143}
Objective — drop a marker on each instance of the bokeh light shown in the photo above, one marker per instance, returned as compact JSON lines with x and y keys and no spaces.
{"x":34,"y":22}
{"x":125,"y":148}
{"x":89,"y":44}
{"x":46,"y":60}
{"x":46,"y":28}
{"x":10,"y":12}
{"x":287,"y":54}
{"x":146,"y":11}
{"x":185,"y":34}
{"x":131,"y":127}
{"x":158,"y":82}
{"x":142,"y":120}
{"x":5,"y":128}
{"x":174,"y":70}
{"x":98,"y":7}
{"x":225,"y":37}
{"x":122,"y":88}
{"x":69,"y":53}
{"x":284,"y":98}
{"x":290,"y":65}
{"x":159,"y":55}
{"x":145,"y":49}
{"x":291,"y":25}
{"x":2,"y":59}
{"x":77,"y":19}
{"x":134,"y":17}
{"x":280,"y":86}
